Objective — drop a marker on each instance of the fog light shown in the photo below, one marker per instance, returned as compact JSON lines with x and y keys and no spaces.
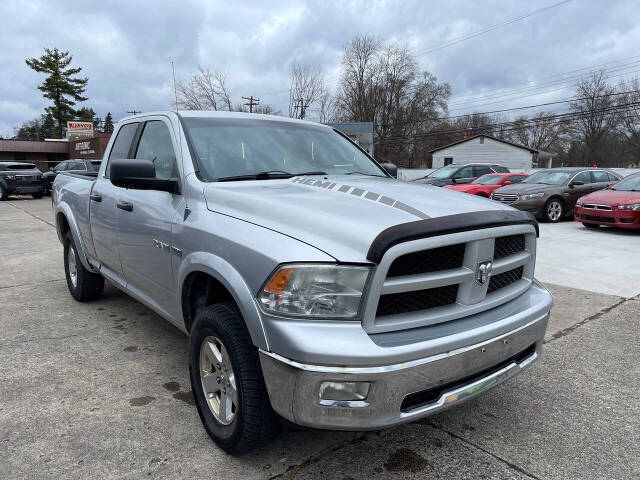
{"x":344,"y":391}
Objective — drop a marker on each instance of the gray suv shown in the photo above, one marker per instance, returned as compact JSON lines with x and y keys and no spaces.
{"x":453,"y":174}
{"x":552,"y":193}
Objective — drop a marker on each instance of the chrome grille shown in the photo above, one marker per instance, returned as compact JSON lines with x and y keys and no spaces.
{"x":591,"y":206}
{"x":504,"y":198}
{"x":436,"y":279}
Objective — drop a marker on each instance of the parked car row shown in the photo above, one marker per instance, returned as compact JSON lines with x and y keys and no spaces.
{"x":20,"y":178}
{"x":594,"y":196}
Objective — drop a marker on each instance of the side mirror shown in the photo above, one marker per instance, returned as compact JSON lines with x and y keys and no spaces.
{"x":140,"y":175}
{"x":575,"y":183}
{"x":51,"y":169}
{"x":507,"y":182}
{"x":391,"y":169}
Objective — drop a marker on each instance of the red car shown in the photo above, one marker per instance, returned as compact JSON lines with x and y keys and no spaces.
{"x":484,"y":185}
{"x":617,"y":205}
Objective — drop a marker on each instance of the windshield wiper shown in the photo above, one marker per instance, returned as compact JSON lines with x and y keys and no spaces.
{"x":366,"y":174}
{"x":267,"y":175}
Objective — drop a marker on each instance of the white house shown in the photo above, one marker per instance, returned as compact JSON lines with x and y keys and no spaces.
{"x":487,"y":149}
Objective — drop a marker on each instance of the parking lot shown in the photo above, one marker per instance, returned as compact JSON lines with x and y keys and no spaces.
{"x":101,"y":389}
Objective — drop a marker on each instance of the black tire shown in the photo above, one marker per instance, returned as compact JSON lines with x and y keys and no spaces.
{"x":38,"y":195}
{"x":88,"y":285}
{"x":591,"y":225}
{"x":3,"y":193}
{"x":254,"y":423}
{"x":553,"y":210}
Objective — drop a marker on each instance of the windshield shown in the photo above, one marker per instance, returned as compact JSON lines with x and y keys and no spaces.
{"x":629,"y":184}
{"x":238,"y":147}
{"x":488,"y":180}
{"x":444,"y":172}
{"x":548,"y":177}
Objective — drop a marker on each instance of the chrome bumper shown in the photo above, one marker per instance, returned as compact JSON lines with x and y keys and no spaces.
{"x":455,"y":376}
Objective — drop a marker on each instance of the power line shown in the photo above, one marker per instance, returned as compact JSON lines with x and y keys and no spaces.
{"x":488,"y":29}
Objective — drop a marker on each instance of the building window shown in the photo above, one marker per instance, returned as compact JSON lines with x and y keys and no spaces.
{"x":448,"y":161}
{"x":20,"y":156}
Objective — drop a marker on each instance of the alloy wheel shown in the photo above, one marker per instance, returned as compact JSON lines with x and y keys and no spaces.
{"x":554,"y":210}
{"x":218,"y":380}
{"x":73,"y":269}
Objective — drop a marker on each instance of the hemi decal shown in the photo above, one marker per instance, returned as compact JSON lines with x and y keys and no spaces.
{"x":372,"y":196}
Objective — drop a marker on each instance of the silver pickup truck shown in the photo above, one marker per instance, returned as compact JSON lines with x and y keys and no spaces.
{"x":312,"y":285}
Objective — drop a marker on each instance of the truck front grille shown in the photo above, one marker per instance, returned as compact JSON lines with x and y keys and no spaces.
{"x":417,"y":300}
{"x":508,"y":245}
{"x":426,"y":261}
{"x":504,"y":279}
{"x":416,"y":286}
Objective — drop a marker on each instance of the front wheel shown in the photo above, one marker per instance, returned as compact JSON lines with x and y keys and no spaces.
{"x":553,"y":210}
{"x":83,"y":285}
{"x":227,"y":382}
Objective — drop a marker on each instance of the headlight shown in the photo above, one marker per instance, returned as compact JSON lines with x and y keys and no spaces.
{"x":10,"y":177}
{"x":531,"y":196}
{"x":579,"y":202}
{"x":315,"y":291}
{"x":629,"y":206}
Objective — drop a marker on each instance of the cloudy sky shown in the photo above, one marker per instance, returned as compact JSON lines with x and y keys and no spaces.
{"x":125,"y":47}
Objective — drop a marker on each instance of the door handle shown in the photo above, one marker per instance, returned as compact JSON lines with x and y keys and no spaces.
{"x":126,"y":206}
{"x":95,"y":197}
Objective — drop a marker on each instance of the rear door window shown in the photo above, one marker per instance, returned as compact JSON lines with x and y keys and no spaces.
{"x":600,"y":176}
{"x":478,"y":171}
{"x":122,"y":145}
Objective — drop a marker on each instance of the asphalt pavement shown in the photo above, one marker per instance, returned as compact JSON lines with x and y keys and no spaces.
{"x":101,"y":390}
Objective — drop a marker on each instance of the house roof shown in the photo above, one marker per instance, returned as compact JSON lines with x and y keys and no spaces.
{"x":531,"y":150}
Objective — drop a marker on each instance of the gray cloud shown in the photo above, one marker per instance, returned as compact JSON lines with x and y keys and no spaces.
{"x":125,"y":48}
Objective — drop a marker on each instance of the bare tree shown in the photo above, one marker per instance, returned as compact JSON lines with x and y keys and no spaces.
{"x":307,"y":87}
{"x":596,"y":118}
{"x":629,"y":125}
{"x":263,"y":109}
{"x":205,"y":90}
{"x":326,"y":107}
{"x":543,"y":131}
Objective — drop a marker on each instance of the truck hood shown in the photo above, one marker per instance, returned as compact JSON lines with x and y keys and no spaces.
{"x":340,"y":215}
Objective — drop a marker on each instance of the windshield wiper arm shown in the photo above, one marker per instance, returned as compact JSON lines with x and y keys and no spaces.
{"x":360,"y":173}
{"x":267,"y":175}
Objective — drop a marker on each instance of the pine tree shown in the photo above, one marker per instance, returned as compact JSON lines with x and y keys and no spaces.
{"x":61,"y":85}
{"x":108,"y":123}
{"x":48,"y":129}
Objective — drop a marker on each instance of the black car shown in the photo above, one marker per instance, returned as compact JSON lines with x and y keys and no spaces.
{"x":17,"y":178}
{"x":452,"y":174}
{"x":74,"y":165}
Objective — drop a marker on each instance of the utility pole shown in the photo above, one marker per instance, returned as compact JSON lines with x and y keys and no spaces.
{"x":252,"y":101}
{"x":134,"y":111}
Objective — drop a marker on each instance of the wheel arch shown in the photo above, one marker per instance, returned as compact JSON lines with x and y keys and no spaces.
{"x":65,"y":223}
{"x":206,"y":279}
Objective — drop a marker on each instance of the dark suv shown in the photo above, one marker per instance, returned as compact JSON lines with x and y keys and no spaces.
{"x":74,"y":165}
{"x":552,"y":193}
{"x":17,"y":178}
{"x":453,"y":174}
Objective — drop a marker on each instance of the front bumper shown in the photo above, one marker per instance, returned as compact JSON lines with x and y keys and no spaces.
{"x":614,"y":218}
{"x":400,"y":392}
{"x":534,"y":206}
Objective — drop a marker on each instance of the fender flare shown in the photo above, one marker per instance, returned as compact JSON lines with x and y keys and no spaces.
{"x":65,"y":210}
{"x":228,"y":276}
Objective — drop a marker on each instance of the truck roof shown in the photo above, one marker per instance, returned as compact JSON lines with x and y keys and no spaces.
{"x":224,"y":114}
